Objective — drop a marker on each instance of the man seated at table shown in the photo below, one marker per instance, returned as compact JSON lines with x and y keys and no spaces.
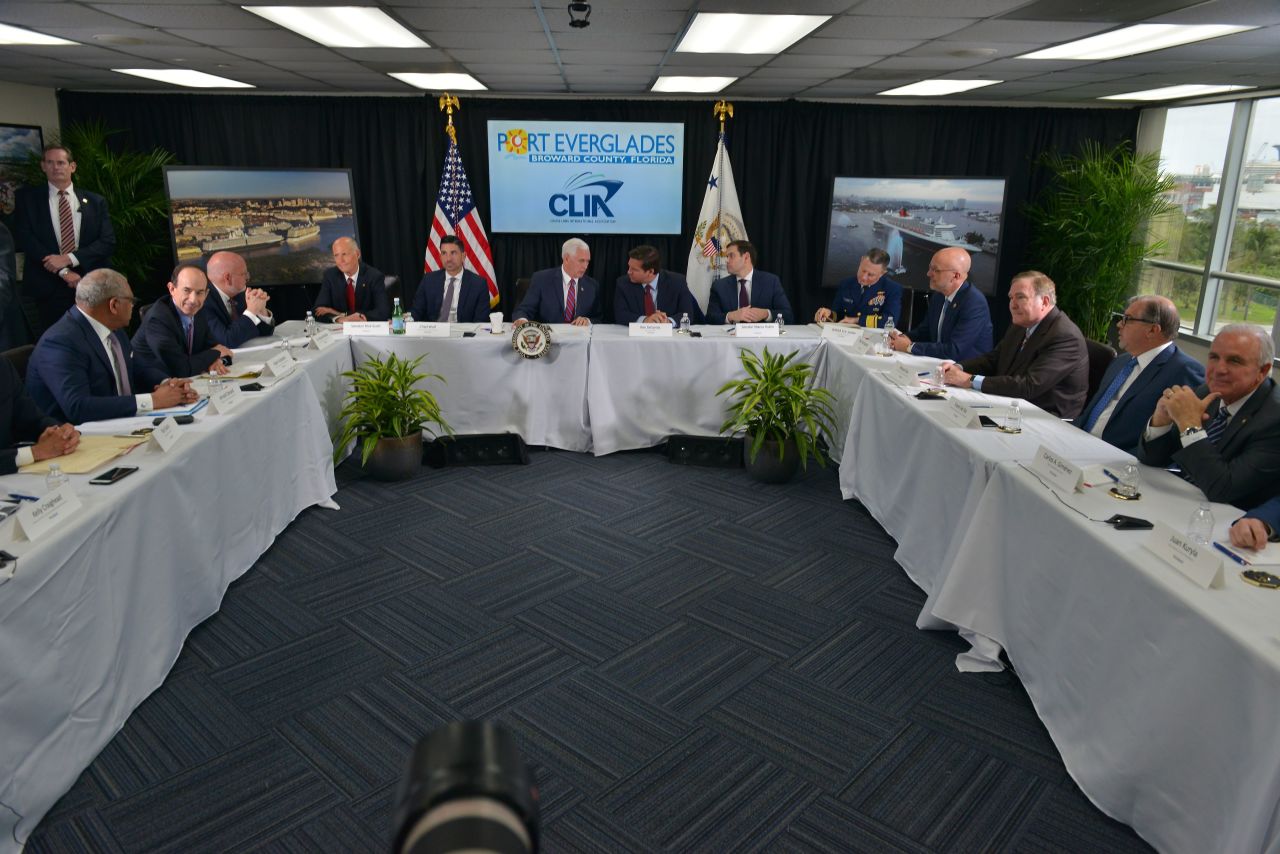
{"x":1225,"y":435}
{"x":174,"y":337}
{"x":22,"y":421}
{"x":867,"y":298}
{"x":451,"y":294}
{"x":649,"y":294}
{"x":958,"y":323}
{"x":1042,"y":358}
{"x":82,"y":368}
{"x":1134,"y":381}
{"x":746,"y":295}
{"x":1259,"y":526}
{"x":351,"y":291}
{"x":564,"y":294}
{"x":234,"y":311}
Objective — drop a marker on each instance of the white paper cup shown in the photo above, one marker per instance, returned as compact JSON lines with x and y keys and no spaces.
{"x":495,"y":323}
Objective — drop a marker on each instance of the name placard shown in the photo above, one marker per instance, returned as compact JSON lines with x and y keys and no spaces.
{"x":1059,"y":472}
{"x":166,"y":434}
{"x":649,"y":330}
{"x":842,"y":333}
{"x":366,"y":327}
{"x":36,"y":520}
{"x":426,"y":329}
{"x":902,"y":376}
{"x":1200,"y":563}
{"x":756,"y":330}
{"x":957,"y":413}
{"x":863,"y":346}
{"x":323,"y":338}
{"x":279,"y":365}
{"x":224,"y":397}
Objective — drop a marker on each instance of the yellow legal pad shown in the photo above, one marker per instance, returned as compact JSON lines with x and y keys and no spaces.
{"x":93,"y":451}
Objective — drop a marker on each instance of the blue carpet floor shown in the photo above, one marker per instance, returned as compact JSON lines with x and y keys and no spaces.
{"x":690,"y":661}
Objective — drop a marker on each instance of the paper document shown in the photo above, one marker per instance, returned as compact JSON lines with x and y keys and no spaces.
{"x":92,"y":452}
{"x":180,"y":410}
{"x":1268,"y":556}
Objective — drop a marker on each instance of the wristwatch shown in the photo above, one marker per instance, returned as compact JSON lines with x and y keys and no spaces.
{"x":63,"y":272}
{"x":1191,"y":431}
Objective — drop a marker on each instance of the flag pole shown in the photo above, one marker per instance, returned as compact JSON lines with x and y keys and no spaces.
{"x":722,"y":109}
{"x":449,"y":103}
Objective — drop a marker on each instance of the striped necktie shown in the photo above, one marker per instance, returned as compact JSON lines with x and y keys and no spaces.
{"x":1217,"y":425}
{"x":571,"y":301}
{"x":66,"y":225}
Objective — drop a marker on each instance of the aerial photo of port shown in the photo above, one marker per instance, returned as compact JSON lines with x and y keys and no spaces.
{"x":282,"y":221}
{"x":912,"y":218}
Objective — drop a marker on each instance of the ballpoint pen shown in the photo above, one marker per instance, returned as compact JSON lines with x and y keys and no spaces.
{"x":1226,"y":551}
{"x":18,"y":496}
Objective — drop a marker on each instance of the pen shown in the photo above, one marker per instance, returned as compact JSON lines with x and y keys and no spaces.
{"x":1109,"y":473}
{"x":17,"y":496}
{"x":1226,"y":551}
{"x":924,"y":373}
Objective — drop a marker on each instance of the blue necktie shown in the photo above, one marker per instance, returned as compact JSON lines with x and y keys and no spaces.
{"x":1112,"y":390}
{"x":1217,"y":425}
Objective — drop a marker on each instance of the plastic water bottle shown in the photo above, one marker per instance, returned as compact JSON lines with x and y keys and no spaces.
{"x":397,"y":318}
{"x":311,"y":325}
{"x":286,"y":344}
{"x":1200,"y":525}
{"x":1013,"y":421}
{"x":889,"y":327}
{"x":782,"y":325}
{"x":686,"y":326}
{"x":56,"y":477}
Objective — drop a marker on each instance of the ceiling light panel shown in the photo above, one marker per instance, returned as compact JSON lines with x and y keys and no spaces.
{"x":691,"y":84}
{"x":1168,"y":93}
{"x":1140,"y":38}
{"x":726,"y":32}
{"x":340,"y":26}
{"x":185,"y":77}
{"x":17,"y":35}
{"x":439,"y":82}
{"x":933,"y":88}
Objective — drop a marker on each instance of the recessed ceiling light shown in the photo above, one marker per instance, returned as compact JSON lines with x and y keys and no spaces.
{"x":341,"y":26}
{"x":1140,"y":38}
{"x":17,"y":35}
{"x":926,"y":88}
{"x":1166,"y":93}
{"x":726,"y":32}
{"x":185,"y":77}
{"x":691,"y":84}
{"x":439,"y":82}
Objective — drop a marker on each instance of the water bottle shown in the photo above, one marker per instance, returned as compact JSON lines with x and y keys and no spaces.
{"x":1200,"y":525}
{"x":287,"y":346}
{"x":686,"y":326}
{"x":397,"y":318}
{"x":56,"y":477}
{"x":782,"y":324}
{"x":1013,"y":421}
{"x":889,"y":327}
{"x":1129,"y":481}
{"x":311,"y":325}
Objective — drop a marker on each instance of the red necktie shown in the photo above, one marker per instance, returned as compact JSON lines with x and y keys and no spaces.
{"x":743,"y":299}
{"x":648,"y":301}
{"x":571,"y":301}
{"x":66,"y":225}
{"x":351,"y":295}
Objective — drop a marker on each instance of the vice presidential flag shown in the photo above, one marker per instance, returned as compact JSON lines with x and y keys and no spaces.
{"x":719,"y":224}
{"x":456,"y":214}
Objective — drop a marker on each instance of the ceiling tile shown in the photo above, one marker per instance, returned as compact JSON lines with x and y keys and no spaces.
{"x":192,"y":17}
{"x":465,"y":18}
{"x":272,"y":38}
{"x":929,"y":8}
{"x":856,"y":27}
{"x":857,"y":47}
{"x":1042,"y":32}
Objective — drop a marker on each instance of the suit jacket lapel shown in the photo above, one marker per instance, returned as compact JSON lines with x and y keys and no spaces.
{"x":1241,"y":418}
{"x":93,"y":344}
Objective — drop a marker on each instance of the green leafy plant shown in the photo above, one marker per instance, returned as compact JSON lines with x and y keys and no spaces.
{"x":1090,"y":227}
{"x":385,"y":403}
{"x":132,"y":182}
{"x":777,"y":401}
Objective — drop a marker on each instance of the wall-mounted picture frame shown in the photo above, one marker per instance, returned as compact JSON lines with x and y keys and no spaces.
{"x":17,"y":143}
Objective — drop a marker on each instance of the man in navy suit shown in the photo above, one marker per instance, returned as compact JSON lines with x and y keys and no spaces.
{"x":82,"y":368}
{"x":64,"y":231}
{"x":22,"y":421}
{"x":867,"y":295}
{"x":958,"y":324}
{"x":233,"y":311}
{"x":746,"y":295}
{"x":174,"y":338}
{"x":350,"y":290}
{"x":564,"y":294}
{"x":1132,"y":385}
{"x":649,"y":294}
{"x":468,"y":294}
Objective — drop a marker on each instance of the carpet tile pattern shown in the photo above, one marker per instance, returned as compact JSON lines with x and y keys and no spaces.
{"x":690,"y":662}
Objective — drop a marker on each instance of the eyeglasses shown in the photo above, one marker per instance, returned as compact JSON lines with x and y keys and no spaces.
{"x":933,"y":269}
{"x":1123,"y":320}
{"x":133,"y":301}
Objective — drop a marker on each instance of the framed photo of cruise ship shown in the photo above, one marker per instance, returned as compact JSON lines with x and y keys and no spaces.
{"x":281,"y":220}
{"x":912,"y":218}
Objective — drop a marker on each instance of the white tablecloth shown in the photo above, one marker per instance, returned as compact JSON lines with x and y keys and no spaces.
{"x":96,"y":615}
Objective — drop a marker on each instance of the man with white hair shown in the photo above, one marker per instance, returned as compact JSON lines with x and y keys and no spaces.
{"x":564,"y":294}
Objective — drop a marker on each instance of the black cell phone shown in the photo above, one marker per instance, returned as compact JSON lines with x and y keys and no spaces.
{"x":987,"y":422}
{"x":695,"y":334}
{"x":110,"y":476}
{"x":1128,"y":523}
{"x":181,"y":419}
{"x":252,"y":387}
{"x":468,"y":335}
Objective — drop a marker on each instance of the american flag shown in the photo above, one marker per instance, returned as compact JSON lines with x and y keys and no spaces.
{"x":711,"y":248}
{"x":456,"y":214}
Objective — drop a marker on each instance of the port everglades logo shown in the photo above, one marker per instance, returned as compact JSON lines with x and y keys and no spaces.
{"x":585,"y":195}
{"x":516,"y":142}
{"x":715,"y":234}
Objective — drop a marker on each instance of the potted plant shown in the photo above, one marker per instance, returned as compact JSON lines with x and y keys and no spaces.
{"x":781,"y":412}
{"x":385,"y":413}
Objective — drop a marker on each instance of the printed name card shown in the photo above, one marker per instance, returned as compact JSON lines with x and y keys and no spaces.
{"x":279,"y":365}
{"x":323,"y":338}
{"x":1059,"y":472}
{"x":863,"y":346}
{"x":1200,"y":563}
{"x":36,"y":520}
{"x":957,"y":413}
{"x":902,"y":376}
{"x":224,"y":397}
{"x":166,"y":434}
{"x":367,"y":327}
{"x":426,"y":329}
{"x":756,"y":330}
{"x":842,"y":333}
{"x":649,"y":330}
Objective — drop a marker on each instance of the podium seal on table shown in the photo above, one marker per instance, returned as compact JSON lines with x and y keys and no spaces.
{"x":531,"y":340}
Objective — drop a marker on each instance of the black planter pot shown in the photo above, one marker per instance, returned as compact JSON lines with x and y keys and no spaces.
{"x":767,"y":468}
{"x":396,"y":459}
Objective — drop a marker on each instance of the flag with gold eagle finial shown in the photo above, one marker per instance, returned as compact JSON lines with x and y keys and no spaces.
{"x":719,"y":224}
{"x":456,"y":214}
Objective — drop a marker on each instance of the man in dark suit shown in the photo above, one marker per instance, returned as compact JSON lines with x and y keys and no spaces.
{"x":1225,"y":435}
{"x":82,"y":368}
{"x":1258,"y":527}
{"x":468,"y":294}
{"x":22,"y":421}
{"x":65,"y":232}
{"x":1132,"y":385}
{"x":350,"y":290}
{"x":564,"y":294}
{"x":958,"y":323}
{"x":867,"y":298}
{"x":1042,"y":358}
{"x":649,"y":294}
{"x":174,"y":338}
{"x":234,"y":312}
{"x":746,"y":295}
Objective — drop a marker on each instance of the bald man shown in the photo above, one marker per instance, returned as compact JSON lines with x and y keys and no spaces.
{"x":234,"y":311}
{"x":351,"y":291}
{"x":958,"y":325}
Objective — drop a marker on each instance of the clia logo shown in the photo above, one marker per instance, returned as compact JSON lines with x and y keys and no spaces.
{"x":585,"y":195}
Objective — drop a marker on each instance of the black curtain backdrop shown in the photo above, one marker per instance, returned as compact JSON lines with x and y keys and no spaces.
{"x":784,"y":155}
